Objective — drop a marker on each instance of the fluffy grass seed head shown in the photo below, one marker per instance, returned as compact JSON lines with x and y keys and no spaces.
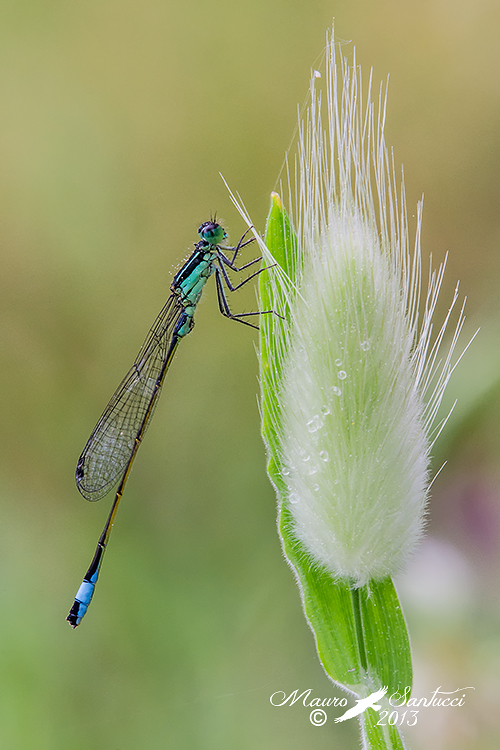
{"x":358,"y":375}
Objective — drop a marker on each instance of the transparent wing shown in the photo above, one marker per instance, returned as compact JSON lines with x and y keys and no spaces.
{"x":108,"y":450}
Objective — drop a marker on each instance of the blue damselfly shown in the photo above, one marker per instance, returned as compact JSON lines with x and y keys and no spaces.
{"x":110,"y":451}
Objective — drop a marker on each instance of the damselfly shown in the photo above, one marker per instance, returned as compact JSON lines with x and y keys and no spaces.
{"x":110,"y":451}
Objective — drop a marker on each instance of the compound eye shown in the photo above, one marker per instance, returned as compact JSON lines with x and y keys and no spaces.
{"x":211,"y":232}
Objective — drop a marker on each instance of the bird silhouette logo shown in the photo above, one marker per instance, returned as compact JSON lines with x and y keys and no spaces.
{"x":363,"y":704}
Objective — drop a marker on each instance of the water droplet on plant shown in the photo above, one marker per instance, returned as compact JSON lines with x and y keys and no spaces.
{"x":341,"y":374}
{"x":325,"y":410}
{"x":316,"y":487}
{"x":306,"y":457}
{"x":293,"y":497}
{"x":365,"y":345}
{"x":324,"y":456}
{"x":338,"y":362}
{"x":315,"y":423}
{"x":337,"y":391}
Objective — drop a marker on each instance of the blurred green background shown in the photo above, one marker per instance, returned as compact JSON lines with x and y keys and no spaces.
{"x":116,"y":118}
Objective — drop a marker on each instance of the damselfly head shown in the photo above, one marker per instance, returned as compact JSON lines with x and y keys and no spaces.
{"x":212,"y":232}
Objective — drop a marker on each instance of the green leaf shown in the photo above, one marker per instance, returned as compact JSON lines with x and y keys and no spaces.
{"x":381,"y":736}
{"x":385,"y":636}
{"x":282,"y":242}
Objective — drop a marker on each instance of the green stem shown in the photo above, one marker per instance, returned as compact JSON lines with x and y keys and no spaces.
{"x":358,"y":624}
